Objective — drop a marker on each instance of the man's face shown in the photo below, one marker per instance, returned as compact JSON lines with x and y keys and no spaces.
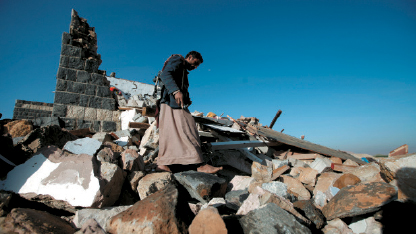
{"x":193,"y":63}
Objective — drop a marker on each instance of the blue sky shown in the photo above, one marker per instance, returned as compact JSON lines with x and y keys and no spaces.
{"x":342,"y":72}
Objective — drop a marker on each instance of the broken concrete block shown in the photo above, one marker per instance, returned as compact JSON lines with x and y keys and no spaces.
{"x":270,"y":218}
{"x":251,"y":203}
{"x":236,"y":198}
{"x":296,"y":188}
{"x":359,"y":199}
{"x":154,"y":182}
{"x":346,"y":180}
{"x":208,"y":221}
{"x":202,"y":186}
{"x":161,"y":212}
{"x":276,"y":187}
{"x":83,"y":146}
{"x":23,"y":220}
{"x":70,"y":178}
{"x":101,"y":216}
{"x":132,"y":161}
{"x":320,"y":164}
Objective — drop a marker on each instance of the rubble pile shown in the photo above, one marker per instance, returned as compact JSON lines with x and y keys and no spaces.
{"x":56,"y":180}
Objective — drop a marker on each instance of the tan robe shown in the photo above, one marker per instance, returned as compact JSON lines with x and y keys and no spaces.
{"x":179,"y":141}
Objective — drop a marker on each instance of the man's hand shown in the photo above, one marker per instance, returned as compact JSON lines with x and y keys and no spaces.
{"x":179,"y":99}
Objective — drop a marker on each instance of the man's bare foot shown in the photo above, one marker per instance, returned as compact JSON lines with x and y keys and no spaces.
{"x":208,"y":169}
{"x":163,"y":168}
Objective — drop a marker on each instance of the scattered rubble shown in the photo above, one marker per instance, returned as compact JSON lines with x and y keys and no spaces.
{"x":102,"y":178}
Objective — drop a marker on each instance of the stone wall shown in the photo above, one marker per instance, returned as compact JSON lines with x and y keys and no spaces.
{"x":31,"y":110}
{"x":82,"y":96}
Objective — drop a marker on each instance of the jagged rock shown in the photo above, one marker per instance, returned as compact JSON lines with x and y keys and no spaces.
{"x":276,"y":187}
{"x":320,"y":164}
{"x":261,"y":172}
{"x":403,"y":170}
{"x":23,"y":220}
{"x":161,"y":212}
{"x":336,"y":226}
{"x":208,"y":220}
{"x":270,"y":218}
{"x":202,"y":186}
{"x":106,"y":155}
{"x":296,"y":188}
{"x":369,"y":172}
{"x":323,"y":184}
{"x":366,"y":225}
{"x":134,"y":177}
{"x":101,"y":216}
{"x":91,"y":227}
{"x":251,"y":203}
{"x":359,"y":199}
{"x":239,"y":183}
{"x":19,"y":128}
{"x":80,"y":180}
{"x":311,"y":212}
{"x":102,"y":137}
{"x":83,"y":146}
{"x":50,"y":202}
{"x":154,"y":182}
{"x":39,"y":138}
{"x":236,"y":198}
{"x":132,"y":161}
{"x":346,"y":180}
{"x":307,"y":175}
{"x":283,"y":203}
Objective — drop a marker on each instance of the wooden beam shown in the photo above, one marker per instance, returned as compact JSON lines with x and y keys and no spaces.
{"x":275,"y":118}
{"x":149,"y":112}
{"x":303,"y":156}
{"x":302,"y":144}
{"x":139,"y":125}
{"x":241,"y":144}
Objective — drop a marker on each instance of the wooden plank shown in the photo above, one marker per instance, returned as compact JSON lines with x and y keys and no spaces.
{"x":341,"y":167}
{"x":240,"y":144}
{"x":148,"y":111}
{"x":303,"y":156}
{"x":293,"y":141}
{"x":139,"y":125}
{"x":279,"y":171}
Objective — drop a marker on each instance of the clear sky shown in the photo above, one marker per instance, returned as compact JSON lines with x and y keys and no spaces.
{"x":342,"y":72}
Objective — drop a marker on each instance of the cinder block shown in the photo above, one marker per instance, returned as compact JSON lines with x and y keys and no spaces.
{"x":83,"y":76}
{"x":108,"y":103}
{"x":69,"y":50}
{"x":76,"y":87}
{"x":66,"y":98}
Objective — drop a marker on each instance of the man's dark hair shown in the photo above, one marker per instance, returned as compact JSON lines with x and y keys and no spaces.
{"x":196,"y":55}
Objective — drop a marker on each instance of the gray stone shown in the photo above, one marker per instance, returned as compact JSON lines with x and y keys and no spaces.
{"x":84,"y":100}
{"x":270,"y":218}
{"x":106,"y":155}
{"x":90,"y":89}
{"x":109,"y":103}
{"x":311,"y":212}
{"x":60,"y":85}
{"x":154,"y":182}
{"x":83,"y":146}
{"x":70,"y":50}
{"x":102,"y":216}
{"x":132,"y":161}
{"x":236,"y":198}
{"x":75,"y":63}
{"x":91,"y":65}
{"x":46,"y":121}
{"x":76,"y":87}
{"x":83,"y":77}
{"x":95,"y":102}
{"x":202,"y":186}
{"x":103,"y":91}
{"x":276,"y":187}
{"x":66,"y":98}
{"x":97,"y":79}
{"x":91,"y":227}
{"x":66,"y":38}
{"x":108,"y":126}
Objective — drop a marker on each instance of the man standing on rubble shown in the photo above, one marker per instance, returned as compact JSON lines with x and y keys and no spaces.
{"x":179,"y":142}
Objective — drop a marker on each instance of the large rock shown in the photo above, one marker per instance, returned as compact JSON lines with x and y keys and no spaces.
{"x":39,"y":138}
{"x":346,"y":180}
{"x":296,"y":188}
{"x":311,"y":212}
{"x":23,"y":220}
{"x":276,"y":187}
{"x":132,"y":161}
{"x":154,"y":182}
{"x":101,"y":216}
{"x":80,"y":180}
{"x":83,"y":146}
{"x":251,"y":203}
{"x":91,"y":227}
{"x":321,"y":192}
{"x":261,"y":173}
{"x":403,"y":170}
{"x":236,"y":198}
{"x":161,"y":212}
{"x":367,"y":173}
{"x":336,"y":226}
{"x":270,"y":218}
{"x":202,"y":186}
{"x":239,"y":183}
{"x":208,"y":220}
{"x":359,"y":199}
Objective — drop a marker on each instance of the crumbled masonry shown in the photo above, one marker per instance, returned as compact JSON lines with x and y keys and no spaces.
{"x":86,"y":163}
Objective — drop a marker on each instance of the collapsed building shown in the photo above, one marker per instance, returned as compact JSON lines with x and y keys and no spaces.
{"x":86,"y":162}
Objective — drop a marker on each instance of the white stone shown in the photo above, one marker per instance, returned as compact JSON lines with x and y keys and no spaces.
{"x":276,"y":187}
{"x":279,"y":163}
{"x":240,"y":183}
{"x":251,"y":203}
{"x":83,"y":146}
{"x":320,"y":164}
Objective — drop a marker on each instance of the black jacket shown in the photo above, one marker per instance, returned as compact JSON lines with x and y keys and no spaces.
{"x":175,"y":77}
